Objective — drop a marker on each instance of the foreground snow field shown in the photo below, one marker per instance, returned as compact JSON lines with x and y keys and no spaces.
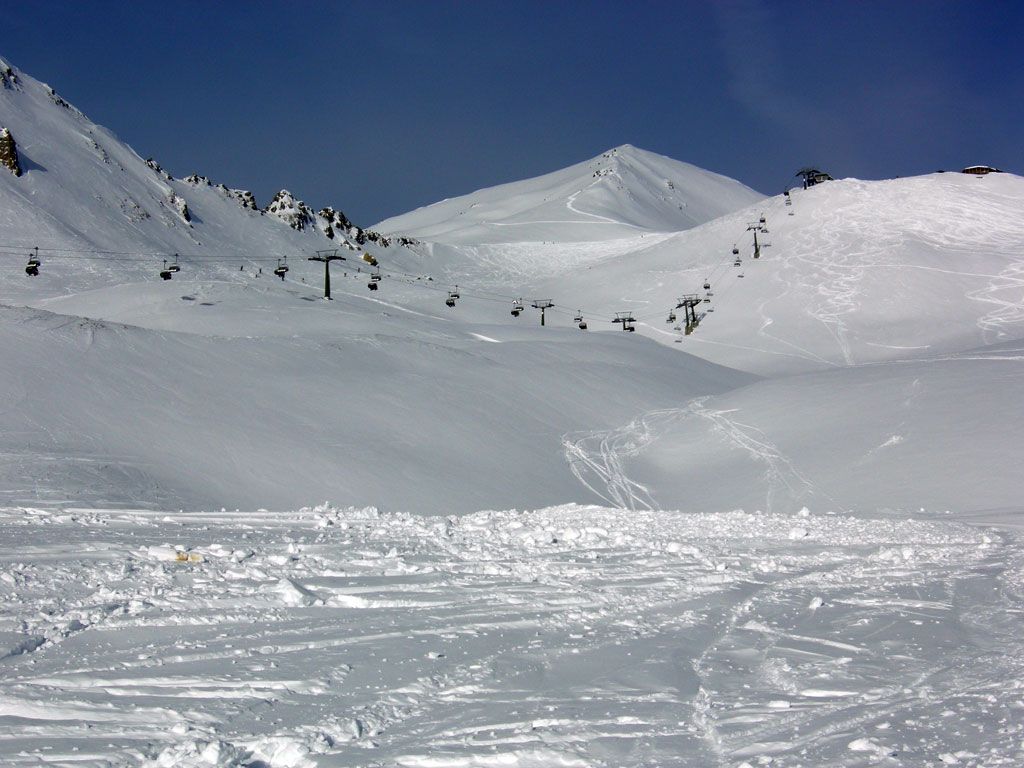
{"x":573,"y":635}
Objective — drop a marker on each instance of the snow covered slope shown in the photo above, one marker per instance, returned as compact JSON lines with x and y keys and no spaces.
{"x":83,"y":190}
{"x":941,"y":435}
{"x":862,"y":631}
{"x":443,"y":420}
{"x":861,"y":271}
{"x":620,"y":193}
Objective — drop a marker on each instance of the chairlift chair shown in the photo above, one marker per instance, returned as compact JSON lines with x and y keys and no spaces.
{"x":452,"y":296}
{"x":282,"y":269}
{"x":761,"y":220}
{"x":582,"y":324}
{"x":374,"y":279}
{"x":175,"y":267}
{"x":735,"y":251}
{"x":671,"y":317}
{"x":707,"y":286}
{"x":517,"y":307}
{"x":450,"y":301}
{"x":737,"y":263}
{"x":165,"y":273}
{"x":32,"y":267}
{"x":455,"y":294}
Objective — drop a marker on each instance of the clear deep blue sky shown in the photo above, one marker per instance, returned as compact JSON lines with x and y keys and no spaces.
{"x":380,"y":107}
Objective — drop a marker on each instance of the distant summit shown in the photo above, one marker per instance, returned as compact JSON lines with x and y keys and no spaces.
{"x":623,"y":192}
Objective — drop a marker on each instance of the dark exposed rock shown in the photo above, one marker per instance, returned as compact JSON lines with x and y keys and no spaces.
{"x":196,"y":180}
{"x":179,"y":206}
{"x":9,"y":152}
{"x":8,"y":77}
{"x":295,"y":213}
{"x":153,"y":164}
{"x":245,"y":198}
{"x":333,"y":222}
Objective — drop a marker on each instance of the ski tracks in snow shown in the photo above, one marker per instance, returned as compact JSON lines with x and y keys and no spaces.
{"x":574,"y":635}
{"x":598,"y":459}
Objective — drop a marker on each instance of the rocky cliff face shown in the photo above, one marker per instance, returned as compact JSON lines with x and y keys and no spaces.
{"x":334,"y":223}
{"x":9,"y":152}
{"x":295,"y":213}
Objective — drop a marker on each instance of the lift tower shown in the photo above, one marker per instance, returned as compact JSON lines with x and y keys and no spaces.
{"x":327,"y":257}
{"x":542,"y":304}
{"x":688,"y":303}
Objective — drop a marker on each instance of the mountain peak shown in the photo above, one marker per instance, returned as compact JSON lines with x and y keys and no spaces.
{"x":623,"y":192}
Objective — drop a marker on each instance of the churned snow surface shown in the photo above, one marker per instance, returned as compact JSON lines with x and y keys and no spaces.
{"x":791,"y":538}
{"x":571,"y":635}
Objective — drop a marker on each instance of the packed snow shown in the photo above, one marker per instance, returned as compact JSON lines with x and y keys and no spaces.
{"x":789,"y":538}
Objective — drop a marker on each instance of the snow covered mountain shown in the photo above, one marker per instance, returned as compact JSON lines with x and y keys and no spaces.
{"x":841,"y":411}
{"x":850,"y":272}
{"x":621,"y":193}
{"x":410,"y":403}
{"x":82,"y":190}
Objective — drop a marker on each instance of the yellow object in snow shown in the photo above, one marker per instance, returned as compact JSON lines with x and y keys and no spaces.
{"x":370,"y":260}
{"x":188,"y":557}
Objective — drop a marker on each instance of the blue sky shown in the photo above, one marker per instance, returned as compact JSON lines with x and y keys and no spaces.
{"x":380,"y":107}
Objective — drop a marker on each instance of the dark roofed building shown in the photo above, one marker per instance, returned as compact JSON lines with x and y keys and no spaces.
{"x":980,"y":170}
{"x":812,"y":176}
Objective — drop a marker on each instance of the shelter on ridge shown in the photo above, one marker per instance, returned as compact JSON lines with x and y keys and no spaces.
{"x":980,"y":170}
{"x":812,"y":176}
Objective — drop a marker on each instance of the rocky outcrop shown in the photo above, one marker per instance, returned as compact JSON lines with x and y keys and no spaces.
{"x":245,"y":198}
{"x":295,"y":213}
{"x":180,"y":207}
{"x":197,"y":181}
{"x":158,"y":169}
{"x":9,"y":78}
{"x":9,"y":152}
{"x":334,"y":222}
